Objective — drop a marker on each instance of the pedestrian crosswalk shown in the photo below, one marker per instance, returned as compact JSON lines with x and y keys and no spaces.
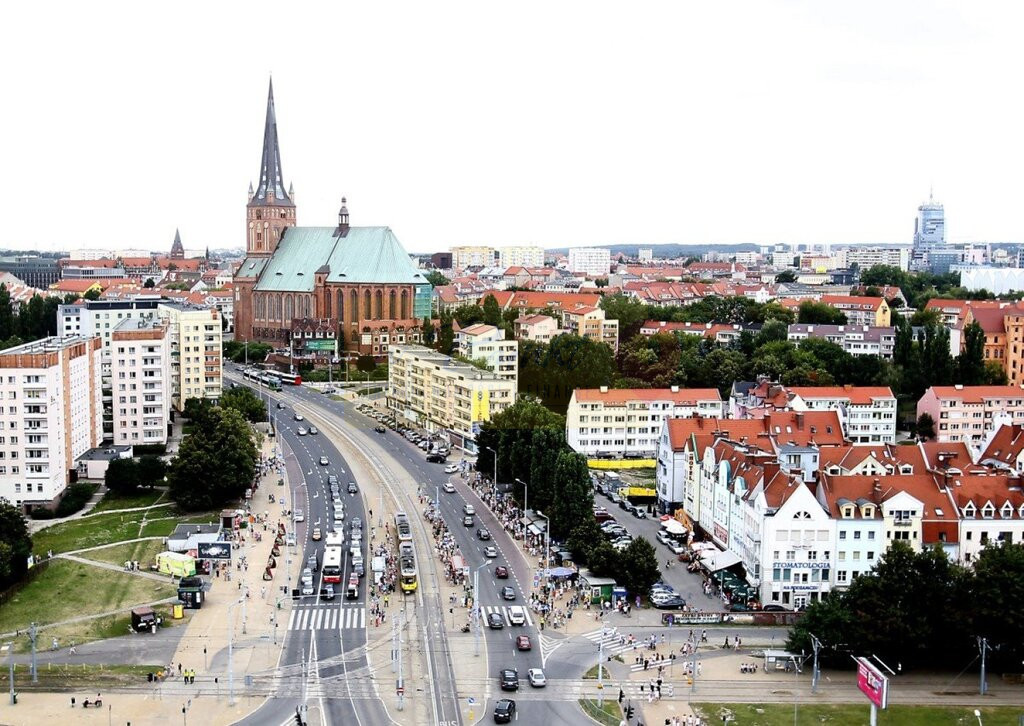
{"x":503,"y":610}
{"x":634,"y":653}
{"x":614,"y":641}
{"x":327,"y":618}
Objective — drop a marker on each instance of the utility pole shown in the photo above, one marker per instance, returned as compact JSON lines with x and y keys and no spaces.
{"x":304,"y":671}
{"x":400,"y":684}
{"x":231,"y":654}
{"x":815,"y":674}
{"x":394,"y":645}
{"x":476,"y":609}
{"x":600,"y":671}
{"x":983,"y":646}
{"x":33,"y":632}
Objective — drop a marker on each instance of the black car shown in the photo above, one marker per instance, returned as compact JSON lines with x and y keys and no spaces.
{"x":504,"y":711}
{"x":509,"y":678}
{"x":671,"y":603}
{"x":495,"y":621}
{"x":380,"y":429}
{"x":483,"y":534}
{"x":436,"y":458}
{"x":774,"y":609}
{"x":508,"y":593}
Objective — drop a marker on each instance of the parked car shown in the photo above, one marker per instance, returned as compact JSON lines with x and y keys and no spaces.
{"x":380,"y":429}
{"x":435,"y":459}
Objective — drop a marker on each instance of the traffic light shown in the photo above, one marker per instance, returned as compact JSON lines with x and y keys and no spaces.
{"x":629,"y":711}
{"x":298,"y":716}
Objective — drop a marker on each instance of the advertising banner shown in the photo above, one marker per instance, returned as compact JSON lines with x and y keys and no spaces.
{"x":214,"y":551}
{"x":872,"y":683}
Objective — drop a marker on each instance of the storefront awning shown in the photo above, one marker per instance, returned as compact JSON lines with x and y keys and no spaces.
{"x":715,"y":560}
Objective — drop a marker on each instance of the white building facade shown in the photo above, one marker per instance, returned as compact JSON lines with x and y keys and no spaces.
{"x":593,"y":261}
{"x":521,"y":256}
{"x":140,"y":357}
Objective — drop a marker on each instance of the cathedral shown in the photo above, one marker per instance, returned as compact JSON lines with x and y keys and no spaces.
{"x":359,"y":281}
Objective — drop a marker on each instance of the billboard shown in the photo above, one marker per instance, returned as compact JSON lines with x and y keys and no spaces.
{"x":328,"y":345}
{"x":872,"y":683}
{"x":213,"y":551}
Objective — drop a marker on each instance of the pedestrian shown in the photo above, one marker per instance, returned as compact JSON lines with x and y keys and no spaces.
{"x":179,"y":669}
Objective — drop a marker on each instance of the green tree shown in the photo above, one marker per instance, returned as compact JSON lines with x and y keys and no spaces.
{"x":553,"y":371}
{"x":246,"y":402}
{"x":926,"y":427}
{"x":6,"y":314}
{"x":786,"y":276}
{"x":366,"y":363}
{"x":584,"y":537}
{"x":216,"y":462}
{"x":92,"y":294}
{"x":971,"y":362}
{"x":574,"y":499}
{"x":522,"y":420}
{"x":468,"y":315}
{"x":818,"y":313}
{"x":491,"y":311}
{"x":197,"y":410}
{"x":15,"y":544}
{"x":881,"y":275}
{"x":630,"y":312}
{"x":435,"y":278}
{"x":603,"y":559}
{"x":996,"y":591}
{"x":152,"y":470}
{"x":446,"y":335}
{"x":638,"y":567}
{"x":122,"y":476}
{"x":427,"y":331}
{"x":149,"y":284}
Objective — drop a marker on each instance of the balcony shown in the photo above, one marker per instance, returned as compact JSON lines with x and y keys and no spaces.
{"x":902,"y":523}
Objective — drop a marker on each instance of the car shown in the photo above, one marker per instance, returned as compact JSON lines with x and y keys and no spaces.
{"x":615,"y":497}
{"x":301,"y":431}
{"x":329,"y":391}
{"x":339,"y":511}
{"x":508,"y":593}
{"x":311,"y":563}
{"x":468,"y":509}
{"x":663,"y":537}
{"x":504,"y":710}
{"x":424,"y":444}
{"x":352,"y":488}
{"x":624,"y":504}
{"x":332,"y":479}
{"x":298,"y":515}
{"x":324,"y":461}
{"x":356,"y":523}
{"x":662,"y":587}
{"x":517,"y":615}
{"x":677,"y":548}
{"x":307,"y":575}
{"x":501,"y":572}
{"x":495,"y":621}
{"x":380,"y":429}
{"x":298,"y":417}
{"x":435,"y":459}
{"x":307,"y":588}
{"x":523,"y":642}
{"x":451,"y":469}
{"x":774,"y":609}
{"x":280,"y":406}
{"x":328,"y":592}
{"x":317,"y":534}
{"x":449,"y":487}
{"x":739,"y":607}
{"x":639,"y":513}
{"x":491,"y":552}
{"x":313,"y":431}
{"x":672,"y":603}
{"x":621,"y":544}
{"x":467,"y":521}
{"x":483,"y":534}
{"x":509,"y":678}
{"x":537,"y":677}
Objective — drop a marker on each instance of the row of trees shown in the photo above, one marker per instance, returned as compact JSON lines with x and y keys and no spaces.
{"x":35,"y":319}
{"x":918,"y":609}
{"x":920,"y":287}
{"x":125,"y":476}
{"x":15,"y":544}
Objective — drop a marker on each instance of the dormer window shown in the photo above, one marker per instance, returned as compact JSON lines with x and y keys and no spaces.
{"x":835,"y":470}
{"x":988,"y":511}
{"x":906,"y":469}
{"x":1007,"y":511}
{"x":868,"y":512}
{"x":848,"y":512}
{"x":970,"y":511}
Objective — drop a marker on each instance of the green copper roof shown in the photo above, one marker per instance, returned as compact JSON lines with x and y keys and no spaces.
{"x":251,"y":267}
{"x":365,"y":254}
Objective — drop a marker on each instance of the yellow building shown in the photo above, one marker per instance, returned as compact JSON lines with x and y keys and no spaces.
{"x":861,"y":310}
{"x":195,"y":335}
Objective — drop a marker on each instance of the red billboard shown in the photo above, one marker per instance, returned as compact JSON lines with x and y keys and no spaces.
{"x":872,"y":683}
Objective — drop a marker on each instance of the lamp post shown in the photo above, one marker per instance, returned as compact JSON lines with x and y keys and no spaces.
{"x":977,"y":715}
{"x":231,"y":653}
{"x":476,"y":604}
{"x":494,"y":483}
{"x":9,"y":648}
{"x":525,"y":493}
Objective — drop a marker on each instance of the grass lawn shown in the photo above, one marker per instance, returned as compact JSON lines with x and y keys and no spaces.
{"x":145,"y":552}
{"x":751,"y":714}
{"x":610,"y":713}
{"x":143,"y":498}
{"x":71,"y":589}
{"x":95,"y":629}
{"x":91,"y":678}
{"x":88,"y":532}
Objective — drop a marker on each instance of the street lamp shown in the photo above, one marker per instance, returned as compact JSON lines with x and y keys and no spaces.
{"x":9,"y":647}
{"x":231,"y":653}
{"x":525,"y":492}
{"x":494,"y":483}
{"x":547,"y":540}
{"x":977,"y":715}
{"x":476,"y":603}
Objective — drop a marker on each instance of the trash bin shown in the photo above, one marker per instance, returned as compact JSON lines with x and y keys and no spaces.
{"x":178,"y":612}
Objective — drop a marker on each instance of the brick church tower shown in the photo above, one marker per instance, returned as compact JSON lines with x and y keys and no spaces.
{"x":270,"y":210}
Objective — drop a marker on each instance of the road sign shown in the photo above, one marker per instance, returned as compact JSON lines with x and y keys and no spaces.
{"x":471,"y":701}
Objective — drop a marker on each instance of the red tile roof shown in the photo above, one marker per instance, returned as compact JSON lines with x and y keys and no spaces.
{"x":623,"y":395}
{"x":976,"y":394}
{"x":820,"y":428}
{"x":1005,"y":446}
{"x":859,"y":395}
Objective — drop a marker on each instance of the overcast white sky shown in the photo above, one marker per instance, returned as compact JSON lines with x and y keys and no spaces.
{"x":552,"y":123}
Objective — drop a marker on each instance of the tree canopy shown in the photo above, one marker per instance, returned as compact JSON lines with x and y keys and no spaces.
{"x":15,"y":544}
{"x":246,"y":402}
{"x":216,"y":461}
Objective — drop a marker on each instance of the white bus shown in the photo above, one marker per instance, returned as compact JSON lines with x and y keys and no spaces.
{"x":332,"y":565}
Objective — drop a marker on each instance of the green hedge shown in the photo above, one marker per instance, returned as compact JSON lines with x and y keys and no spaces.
{"x":76,"y":497}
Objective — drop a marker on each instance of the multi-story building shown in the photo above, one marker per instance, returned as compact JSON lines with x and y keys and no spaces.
{"x":521,"y":256}
{"x":971,"y":413}
{"x":473,"y":256}
{"x":538,"y":328}
{"x":195,"y":342}
{"x":867,"y":413}
{"x":929,"y":233}
{"x":645,"y":254}
{"x":593,"y":261}
{"x":626,"y":422}
{"x":589,"y":322}
{"x":859,"y":310}
{"x":51,"y":415}
{"x":866,"y":257}
{"x":435,"y":392}
{"x":34,"y":271}
{"x":487,"y":343}
{"x":991,"y":510}
{"x":854,"y":339}
{"x":140,"y":381}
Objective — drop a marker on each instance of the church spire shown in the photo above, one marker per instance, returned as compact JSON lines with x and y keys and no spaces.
{"x":271,"y":182}
{"x":177,"y":250}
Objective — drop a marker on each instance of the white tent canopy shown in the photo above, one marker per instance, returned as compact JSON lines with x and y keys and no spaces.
{"x":715,"y":560}
{"x":674,"y":526}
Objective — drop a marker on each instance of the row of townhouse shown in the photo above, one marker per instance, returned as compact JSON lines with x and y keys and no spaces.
{"x":971,"y":414}
{"x":805,"y":512}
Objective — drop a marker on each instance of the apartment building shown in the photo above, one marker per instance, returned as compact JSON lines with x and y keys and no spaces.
{"x":589,"y":322}
{"x":867,"y":413}
{"x":473,"y":256}
{"x":859,"y":310}
{"x":538,"y":328}
{"x":141,"y":385}
{"x":854,"y":339}
{"x":487,"y":343}
{"x":435,"y":392}
{"x":521,"y":256}
{"x":866,"y":257}
{"x":51,"y":415}
{"x":971,"y":413}
{"x":626,"y":422}
{"x":195,"y":343}
{"x":593,"y":261}
{"x":100,"y":317}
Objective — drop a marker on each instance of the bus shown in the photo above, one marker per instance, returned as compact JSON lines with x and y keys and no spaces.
{"x":407,"y":567}
{"x":402,"y":527}
{"x":332,"y":565}
{"x":292,"y":379}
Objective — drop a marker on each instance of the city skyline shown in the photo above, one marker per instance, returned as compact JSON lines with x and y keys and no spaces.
{"x":797,"y":125}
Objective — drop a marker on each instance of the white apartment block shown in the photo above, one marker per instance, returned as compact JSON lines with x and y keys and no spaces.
{"x":435,"y":392}
{"x":538,"y":328}
{"x":593,"y":261}
{"x":140,"y":359}
{"x":854,"y":339}
{"x":99,"y":317}
{"x":626,"y":422}
{"x":196,"y":368}
{"x":867,"y":413}
{"x":51,"y":415}
{"x":487,"y":343}
{"x":521,"y":257}
{"x":645,"y":254}
{"x":473,"y":256}
{"x":867,"y":257}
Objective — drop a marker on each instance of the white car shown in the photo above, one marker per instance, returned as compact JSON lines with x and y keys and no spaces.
{"x":517,"y":615}
{"x":537,"y":678}
{"x":302,"y":431}
{"x":449,"y":487}
{"x":298,"y":515}
{"x":451,"y":469}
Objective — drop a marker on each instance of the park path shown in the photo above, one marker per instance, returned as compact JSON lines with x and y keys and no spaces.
{"x":109,"y":544}
{"x":115,"y":568}
{"x":93,"y":616}
{"x":35,"y":525}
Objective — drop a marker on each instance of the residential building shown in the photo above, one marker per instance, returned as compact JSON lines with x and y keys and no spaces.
{"x":34,"y":271}
{"x":645,"y":254}
{"x":854,"y":339}
{"x":473,"y":256}
{"x":866,"y":257}
{"x":627,"y":422}
{"x":1004,"y":450}
{"x":195,"y":343}
{"x":528,"y":300}
{"x":521,"y":256}
{"x":860,"y":310}
{"x":538,"y":328}
{"x":487,"y":343}
{"x":140,"y":381}
{"x":867,"y":413}
{"x":100,"y":318}
{"x":971,"y":413}
{"x":991,"y":511}
{"x":435,"y":392}
{"x":593,"y":261}
{"x":90,"y":272}
{"x":719,"y":332}
{"x":51,"y":416}
{"x":589,"y":322}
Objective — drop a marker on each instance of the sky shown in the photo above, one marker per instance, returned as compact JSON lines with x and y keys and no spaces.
{"x":550,"y":123}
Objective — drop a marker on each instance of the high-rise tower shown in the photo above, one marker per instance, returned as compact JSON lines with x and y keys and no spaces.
{"x":270,"y":209}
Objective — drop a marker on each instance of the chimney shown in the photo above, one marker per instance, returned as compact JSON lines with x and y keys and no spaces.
{"x":675,"y":389}
{"x":604,"y":389}
{"x":877,"y":485}
{"x":799,"y":421}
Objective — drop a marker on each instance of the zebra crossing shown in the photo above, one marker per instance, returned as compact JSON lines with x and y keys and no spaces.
{"x":503,"y":610}
{"x":614,"y":642}
{"x":327,"y":618}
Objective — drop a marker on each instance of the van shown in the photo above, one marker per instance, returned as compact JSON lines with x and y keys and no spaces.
{"x":352,"y":590}
{"x":517,"y":615}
